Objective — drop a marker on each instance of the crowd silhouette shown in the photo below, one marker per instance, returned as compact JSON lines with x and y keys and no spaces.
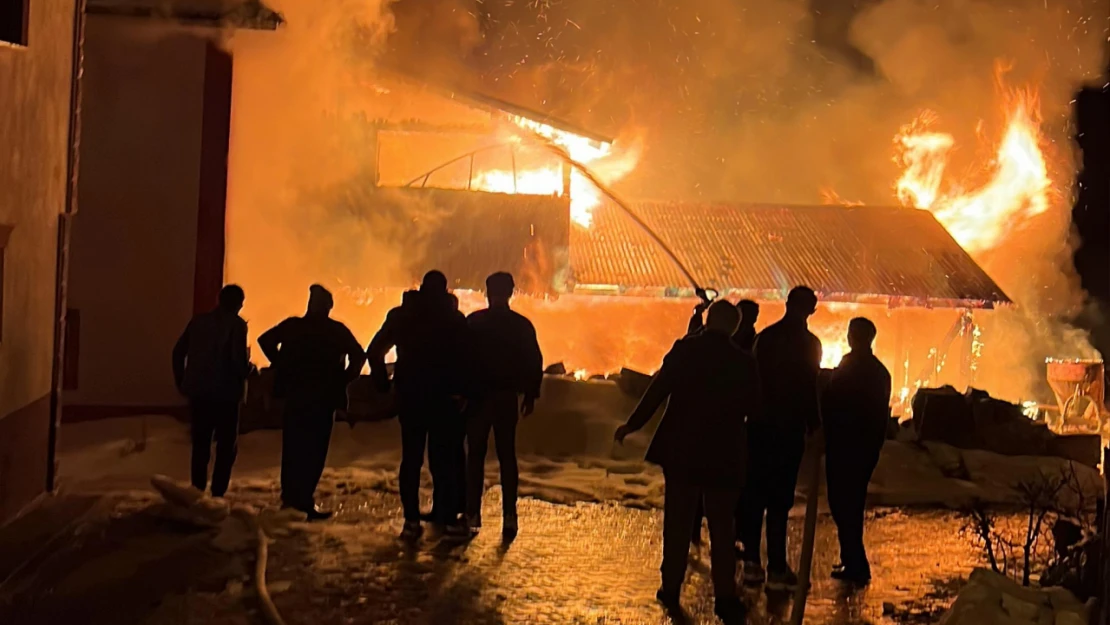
{"x":741,"y":409}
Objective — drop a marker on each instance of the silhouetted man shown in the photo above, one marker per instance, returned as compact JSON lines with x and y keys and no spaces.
{"x":856,"y":409}
{"x":210,"y":367}
{"x":506,"y":373}
{"x":744,"y":336}
{"x":701,"y":444}
{"x":429,"y":333}
{"x":789,"y":358}
{"x":314,"y":358}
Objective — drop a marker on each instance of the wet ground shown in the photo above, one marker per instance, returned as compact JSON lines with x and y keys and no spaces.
{"x":584,"y":563}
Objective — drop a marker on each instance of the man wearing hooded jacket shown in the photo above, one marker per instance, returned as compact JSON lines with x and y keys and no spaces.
{"x":429,"y":333}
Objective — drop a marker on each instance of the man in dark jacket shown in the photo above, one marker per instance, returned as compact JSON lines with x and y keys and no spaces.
{"x":429,"y":333}
{"x":701,"y":444}
{"x":505,"y":376}
{"x":314,"y":358}
{"x":744,"y":336}
{"x":210,"y":367}
{"x":856,"y":409}
{"x":789,"y":358}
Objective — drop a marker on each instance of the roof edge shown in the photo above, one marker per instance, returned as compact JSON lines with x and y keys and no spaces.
{"x":455,"y":90}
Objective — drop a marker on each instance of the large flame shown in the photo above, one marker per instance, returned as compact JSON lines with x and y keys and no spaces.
{"x":608,"y":163}
{"x":1017,"y":189}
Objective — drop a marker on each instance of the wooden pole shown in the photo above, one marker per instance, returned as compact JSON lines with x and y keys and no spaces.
{"x":809,"y":534}
{"x":1104,"y":569}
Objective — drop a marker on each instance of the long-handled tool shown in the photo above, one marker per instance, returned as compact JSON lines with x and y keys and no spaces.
{"x":813,"y":486}
{"x":705,"y":294}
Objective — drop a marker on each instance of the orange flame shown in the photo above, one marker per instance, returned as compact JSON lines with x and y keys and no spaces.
{"x":1018,"y":188}
{"x":608,"y":163}
{"x":830,"y":197}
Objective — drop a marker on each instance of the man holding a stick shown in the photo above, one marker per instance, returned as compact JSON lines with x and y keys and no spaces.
{"x":789,"y":359}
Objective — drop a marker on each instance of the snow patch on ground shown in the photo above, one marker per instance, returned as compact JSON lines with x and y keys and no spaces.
{"x":990,"y":597}
{"x":566,"y":456}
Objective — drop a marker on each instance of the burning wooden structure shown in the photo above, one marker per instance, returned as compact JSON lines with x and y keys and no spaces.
{"x":466,"y":184}
{"x":587,"y":268}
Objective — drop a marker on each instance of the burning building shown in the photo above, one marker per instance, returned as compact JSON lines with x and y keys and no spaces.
{"x":344,"y":150}
{"x":603,"y":294}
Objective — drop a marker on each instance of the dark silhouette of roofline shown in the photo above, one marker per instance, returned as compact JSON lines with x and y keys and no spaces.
{"x":248,"y":14}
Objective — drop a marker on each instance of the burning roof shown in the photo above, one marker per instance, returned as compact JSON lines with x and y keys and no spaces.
{"x":894,"y":256}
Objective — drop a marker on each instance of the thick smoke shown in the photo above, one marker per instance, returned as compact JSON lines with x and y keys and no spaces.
{"x":772,"y":101}
{"x":300,"y":158}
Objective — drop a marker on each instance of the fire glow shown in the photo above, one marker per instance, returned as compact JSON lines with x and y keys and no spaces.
{"x":980,"y":211}
{"x":1017,"y":189}
{"x":607,"y":162}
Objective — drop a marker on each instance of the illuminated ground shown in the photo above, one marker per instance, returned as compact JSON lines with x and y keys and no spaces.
{"x":107,"y":553}
{"x":588,"y":563}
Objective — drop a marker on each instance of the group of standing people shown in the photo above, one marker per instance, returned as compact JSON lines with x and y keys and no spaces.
{"x":741,"y":408}
{"x":456,"y":379}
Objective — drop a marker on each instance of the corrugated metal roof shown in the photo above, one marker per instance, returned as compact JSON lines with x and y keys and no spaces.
{"x":897,"y":256}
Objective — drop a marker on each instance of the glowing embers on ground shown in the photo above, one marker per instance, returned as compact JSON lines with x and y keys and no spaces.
{"x":607,"y":161}
{"x":1017,"y":183}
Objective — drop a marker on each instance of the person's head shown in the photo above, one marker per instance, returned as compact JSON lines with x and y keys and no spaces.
{"x":801,"y":302}
{"x":434,"y":282}
{"x":232,"y":298}
{"x":749,"y":312}
{"x":320,"y":301}
{"x":499,"y":288}
{"x":722,"y":317}
{"x":861,"y":334}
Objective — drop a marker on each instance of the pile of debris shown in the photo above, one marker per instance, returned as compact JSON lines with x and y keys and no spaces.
{"x":975,"y":420}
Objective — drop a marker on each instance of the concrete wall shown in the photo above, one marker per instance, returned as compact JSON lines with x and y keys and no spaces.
{"x":34,"y":129}
{"x":135,"y":235}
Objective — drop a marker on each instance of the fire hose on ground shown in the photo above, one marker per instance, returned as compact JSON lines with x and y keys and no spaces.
{"x":273,"y":617}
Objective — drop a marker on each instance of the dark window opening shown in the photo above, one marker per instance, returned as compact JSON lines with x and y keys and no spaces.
{"x":13,"y":21}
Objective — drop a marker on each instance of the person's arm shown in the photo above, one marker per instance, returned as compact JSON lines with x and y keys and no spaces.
{"x":383,"y":341}
{"x":885,"y":389}
{"x":355,"y":356}
{"x":533,"y":367}
{"x":696,"y":322}
{"x":657,"y":392}
{"x":240,"y":361}
{"x":271,"y":340}
{"x":812,"y":372}
{"x":180,"y":354}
